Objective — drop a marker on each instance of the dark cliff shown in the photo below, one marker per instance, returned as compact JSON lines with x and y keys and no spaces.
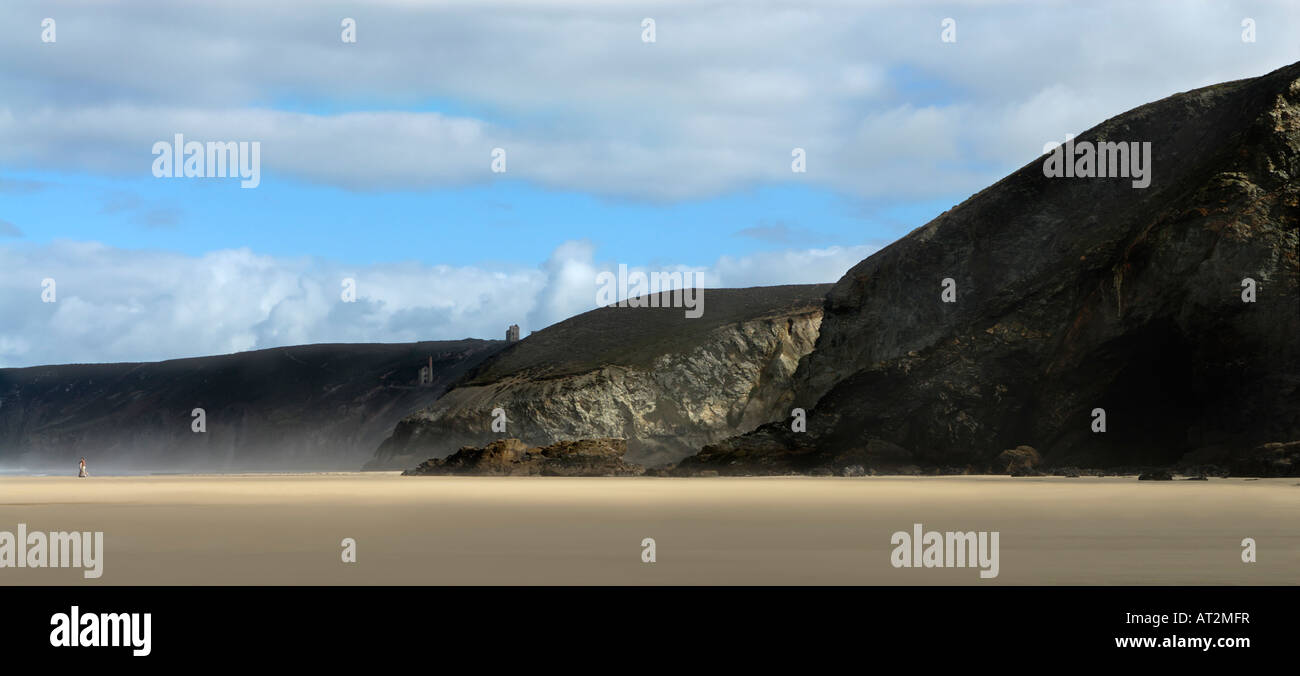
{"x":309,"y":407}
{"x":512,"y":457}
{"x":1075,"y":294}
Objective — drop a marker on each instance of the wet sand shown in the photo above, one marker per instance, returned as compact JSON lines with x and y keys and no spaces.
{"x":286,"y":529}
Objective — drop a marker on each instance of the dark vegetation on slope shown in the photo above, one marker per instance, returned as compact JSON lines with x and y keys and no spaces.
{"x":634,"y":337}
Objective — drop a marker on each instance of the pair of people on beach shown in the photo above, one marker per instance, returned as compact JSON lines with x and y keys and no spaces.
{"x":82,"y":473}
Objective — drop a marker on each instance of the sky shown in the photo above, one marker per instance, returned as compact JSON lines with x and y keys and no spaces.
{"x":376,"y":156}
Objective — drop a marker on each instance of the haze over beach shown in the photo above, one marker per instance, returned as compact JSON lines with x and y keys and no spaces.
{"x":287,"y":529}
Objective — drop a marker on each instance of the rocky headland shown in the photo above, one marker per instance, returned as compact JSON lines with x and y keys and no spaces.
{"x":665,"y":383}
{"x":1103,"y":325}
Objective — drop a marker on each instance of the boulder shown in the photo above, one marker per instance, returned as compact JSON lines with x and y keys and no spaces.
{"x":1019,"y":458}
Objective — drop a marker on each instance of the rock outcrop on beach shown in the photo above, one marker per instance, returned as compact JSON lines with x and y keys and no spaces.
{"x":1274,"y":459}
{"x":1076,"y":298}
{"x":665,"y":383}
{"x":512,"y":457}
{"x":312,"y":407}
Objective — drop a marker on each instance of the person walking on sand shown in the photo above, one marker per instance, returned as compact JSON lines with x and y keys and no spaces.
{"x":82,"y":474}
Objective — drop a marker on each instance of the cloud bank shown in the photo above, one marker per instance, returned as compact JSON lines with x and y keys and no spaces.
{"x":881,"y":105}
{"x":131,"y":305}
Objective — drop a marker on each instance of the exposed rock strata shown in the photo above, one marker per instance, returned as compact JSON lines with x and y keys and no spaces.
{"x":665,"y":383}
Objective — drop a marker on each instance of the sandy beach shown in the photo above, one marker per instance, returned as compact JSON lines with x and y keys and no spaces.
{"x":287,"y":529}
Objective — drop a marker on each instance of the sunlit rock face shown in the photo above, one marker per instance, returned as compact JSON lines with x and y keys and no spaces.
{"x":665,"y":383}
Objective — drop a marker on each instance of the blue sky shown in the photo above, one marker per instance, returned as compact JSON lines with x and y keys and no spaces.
{"x":505,"y":221}
{"x":671,"y":155}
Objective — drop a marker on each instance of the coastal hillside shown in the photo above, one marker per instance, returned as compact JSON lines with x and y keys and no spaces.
{"x":665,"y":383}
{"x":309,"y":407}
{"x":1101,"y":324}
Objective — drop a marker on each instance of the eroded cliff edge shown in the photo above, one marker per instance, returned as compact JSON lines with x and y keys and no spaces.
{"x":1074,"y":295}
{"x":665,"y":383}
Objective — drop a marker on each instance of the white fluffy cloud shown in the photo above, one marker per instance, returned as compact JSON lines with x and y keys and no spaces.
{"x":579,"y":102}
{"x":124,"y":305}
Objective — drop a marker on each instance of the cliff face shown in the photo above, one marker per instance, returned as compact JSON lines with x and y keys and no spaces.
{"x":1075,"y":294}
{"x":310,"y":407}
{"x":664,"y":383}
